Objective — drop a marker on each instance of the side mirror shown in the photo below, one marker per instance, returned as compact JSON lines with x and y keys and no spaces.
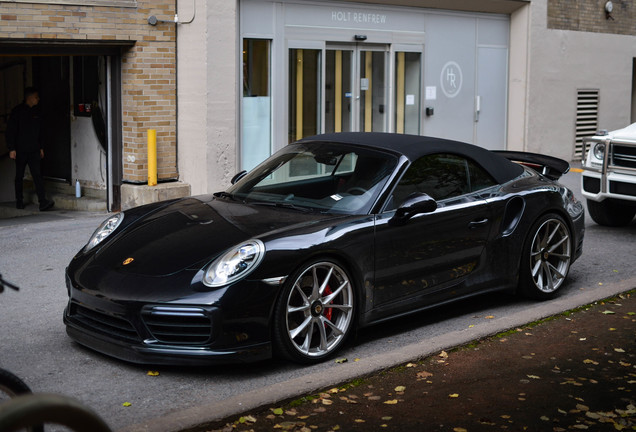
{"x":238,"y":176}
{"x":416,"y":203}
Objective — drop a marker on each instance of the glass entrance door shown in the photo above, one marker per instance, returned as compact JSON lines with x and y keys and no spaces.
{"x":372,"y":91}
{"x":355,"y":89}
{"x":349,"y":91}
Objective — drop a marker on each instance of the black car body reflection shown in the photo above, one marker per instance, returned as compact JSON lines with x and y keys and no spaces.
{"x":331,"y":232}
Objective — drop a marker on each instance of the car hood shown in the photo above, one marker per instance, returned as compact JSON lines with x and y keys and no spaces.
{"x":190,"y":232}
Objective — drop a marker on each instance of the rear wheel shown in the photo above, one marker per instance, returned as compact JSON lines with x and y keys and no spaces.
{"x":546,"y":257}
{"x":610,"y":212}
{"x":315,"y":312}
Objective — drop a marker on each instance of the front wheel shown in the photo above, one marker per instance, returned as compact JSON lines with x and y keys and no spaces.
{"x":546,"y":257}
{"x":610,"y":212}
{"x":315,"y":312}
{"x":11,"y":385}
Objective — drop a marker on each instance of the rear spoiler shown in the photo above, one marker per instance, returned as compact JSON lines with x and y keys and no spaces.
{"x":551,"y":167}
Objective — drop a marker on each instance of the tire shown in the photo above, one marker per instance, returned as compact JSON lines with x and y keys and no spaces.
{"x":11,"y":385}
{"x":610,"y":212}
{"x":546,"y":257}
{"x":314,"y":314}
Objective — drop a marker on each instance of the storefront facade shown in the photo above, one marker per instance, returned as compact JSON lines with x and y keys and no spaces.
{"x":516,"y":74}
{"x":335,"y":67}
{"x":301,"y":68}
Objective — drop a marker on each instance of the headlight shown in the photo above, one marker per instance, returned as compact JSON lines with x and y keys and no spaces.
{"x":104,"y":230}
{"x":234,"y":264}
{"x":599,"y":151}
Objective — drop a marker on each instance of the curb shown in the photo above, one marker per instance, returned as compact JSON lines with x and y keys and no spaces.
{"x":202,"y":415}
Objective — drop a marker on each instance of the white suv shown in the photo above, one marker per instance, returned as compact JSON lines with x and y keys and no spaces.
{"x":609,"y":176}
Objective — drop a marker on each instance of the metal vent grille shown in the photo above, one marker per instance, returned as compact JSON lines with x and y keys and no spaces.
{"x":178,"y":325}
{"x":586,"y":118}
{"x":100,"y":322}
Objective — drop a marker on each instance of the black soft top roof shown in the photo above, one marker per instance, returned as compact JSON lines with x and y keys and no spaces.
{"x":414,"y":146}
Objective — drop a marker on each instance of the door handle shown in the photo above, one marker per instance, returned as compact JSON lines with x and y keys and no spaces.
{"x":477,"y":108}
{"x":478,"y":224}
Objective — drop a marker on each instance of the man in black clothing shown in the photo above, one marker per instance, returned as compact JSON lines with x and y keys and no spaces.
{"x":25,"y":146}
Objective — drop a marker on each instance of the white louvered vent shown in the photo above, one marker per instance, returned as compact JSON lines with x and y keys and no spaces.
{"x":586,"y":118}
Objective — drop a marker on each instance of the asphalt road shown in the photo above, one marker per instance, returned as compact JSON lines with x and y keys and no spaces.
{"x":34,"y":251}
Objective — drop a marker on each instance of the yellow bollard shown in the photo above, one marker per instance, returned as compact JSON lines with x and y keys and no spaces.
{"x":152,"y":157}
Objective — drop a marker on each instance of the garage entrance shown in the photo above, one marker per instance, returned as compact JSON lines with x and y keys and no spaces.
{"x":80,"y":105}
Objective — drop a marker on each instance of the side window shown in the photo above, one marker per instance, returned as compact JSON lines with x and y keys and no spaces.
{"x":479,"y":178}
{"x":441,"y":176}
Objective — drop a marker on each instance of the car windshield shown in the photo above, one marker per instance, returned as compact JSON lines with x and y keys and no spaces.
{"x":325,"y":177}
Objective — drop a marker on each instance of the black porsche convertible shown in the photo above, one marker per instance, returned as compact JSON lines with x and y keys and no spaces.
{"x":330,"y":233}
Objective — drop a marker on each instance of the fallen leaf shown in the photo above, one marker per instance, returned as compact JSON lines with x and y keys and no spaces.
{"x":443,"y":354}
{"x":544,"y":418}
{"x":619,"y":350}
{"x":387,"y":418}
{"x":453,"y":395}
{"x":533,"y":377}
{"x":359,"y":421}
{"x":341,"y":360}
{"x":588,"y":361}
{"x":490,"y":317}
{"x":411,"y":365}
{"x":391,"y":402}
{"x":247,"y":419}
{"x":424,"y":374}
{"x":327,"y":402}
{"x":459,"y":429}
{"x":152,"y":373}
{"x":126,"y":404}
{"x":277,"y":411}
{"x":608,"y":312}
{"x":400,"y":388}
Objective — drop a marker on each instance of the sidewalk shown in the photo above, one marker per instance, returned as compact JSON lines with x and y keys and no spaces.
{"x":576,"y":371}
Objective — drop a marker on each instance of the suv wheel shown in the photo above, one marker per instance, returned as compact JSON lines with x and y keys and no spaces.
{"x":611,"y":213}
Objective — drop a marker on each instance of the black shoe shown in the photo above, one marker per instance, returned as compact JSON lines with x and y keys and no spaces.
{"x":19,"y":205}
{"x":46,"y":205}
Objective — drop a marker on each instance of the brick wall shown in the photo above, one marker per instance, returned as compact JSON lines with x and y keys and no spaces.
{"x":590,"y":16}
{"x":148,"y":67}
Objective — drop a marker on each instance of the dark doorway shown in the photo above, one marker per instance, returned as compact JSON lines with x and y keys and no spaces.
{"x":51,"y":77}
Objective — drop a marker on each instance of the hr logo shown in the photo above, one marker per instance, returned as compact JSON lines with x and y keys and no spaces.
{"x":451,"y":79}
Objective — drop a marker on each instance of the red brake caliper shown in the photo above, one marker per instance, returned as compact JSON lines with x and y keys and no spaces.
{"x":328,"y":311}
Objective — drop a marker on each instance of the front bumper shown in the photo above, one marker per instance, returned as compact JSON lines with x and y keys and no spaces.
{"x":195,"y":332}
{"x":598,"y":187}
{"x":158,"y":354}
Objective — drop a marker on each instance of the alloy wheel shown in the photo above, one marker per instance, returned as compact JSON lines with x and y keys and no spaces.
{"x":550,"y":255}
{"x":319,"y":310}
